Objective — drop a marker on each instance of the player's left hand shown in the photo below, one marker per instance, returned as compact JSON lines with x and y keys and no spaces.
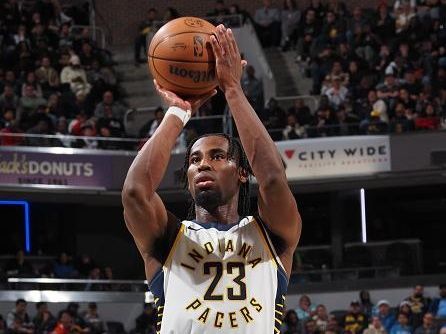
{"x":229,"y":65}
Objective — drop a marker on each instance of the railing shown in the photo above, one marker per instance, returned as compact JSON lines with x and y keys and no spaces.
{"x":97,"y":34}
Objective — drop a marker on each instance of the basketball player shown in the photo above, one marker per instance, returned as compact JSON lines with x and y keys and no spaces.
{"x":222,"y":271}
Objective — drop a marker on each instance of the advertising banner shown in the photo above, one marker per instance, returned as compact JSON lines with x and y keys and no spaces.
{"x":54,"y":166}
{"x":335,"y":156}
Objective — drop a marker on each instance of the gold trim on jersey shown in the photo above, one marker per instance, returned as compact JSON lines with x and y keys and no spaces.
{"x":174,"y":246}
{"x":265,"y":238}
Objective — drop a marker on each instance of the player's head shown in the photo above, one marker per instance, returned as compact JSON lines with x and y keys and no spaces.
{"x":215,"y":170}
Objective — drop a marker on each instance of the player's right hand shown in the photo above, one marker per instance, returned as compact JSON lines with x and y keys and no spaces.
{"x":171,"y":99}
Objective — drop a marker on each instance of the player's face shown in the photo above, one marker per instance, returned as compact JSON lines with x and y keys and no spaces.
{"x":213,"y":177}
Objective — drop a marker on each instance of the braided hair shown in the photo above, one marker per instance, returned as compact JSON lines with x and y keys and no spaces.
{"x":235,"y":152}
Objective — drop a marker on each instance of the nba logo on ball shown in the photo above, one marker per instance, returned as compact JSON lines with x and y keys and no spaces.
{"x":198,"y":46}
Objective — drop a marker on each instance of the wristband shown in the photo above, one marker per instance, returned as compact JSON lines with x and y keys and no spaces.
{"x":184,"y":116}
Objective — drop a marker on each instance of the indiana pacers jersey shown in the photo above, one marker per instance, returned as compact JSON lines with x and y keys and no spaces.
{"x":220,"y":279}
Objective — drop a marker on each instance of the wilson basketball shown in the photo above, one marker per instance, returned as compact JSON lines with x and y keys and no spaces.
{"x":180,"y":56}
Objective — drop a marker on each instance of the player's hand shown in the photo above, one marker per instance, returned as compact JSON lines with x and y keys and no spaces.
{"x":171,"y":99}
{"x":229,"y":65}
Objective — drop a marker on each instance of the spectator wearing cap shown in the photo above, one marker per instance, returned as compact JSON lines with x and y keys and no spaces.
{"x":405,"y":308}
{"x":438,"y":305}
{"x":75,"y":76}
{"x":385,"y":315}
{"x":355,"y":321}
{"x":402,"y":325}
{"x":419,"y":304}
{"x":428,"y":326}
{"x":375,"y":327}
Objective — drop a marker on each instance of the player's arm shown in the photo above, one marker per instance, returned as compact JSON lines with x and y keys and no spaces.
{"x":144,"y":212}
{"x":277,"y":206}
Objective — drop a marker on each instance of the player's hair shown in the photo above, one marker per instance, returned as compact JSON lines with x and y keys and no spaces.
{"x":236,"y":152}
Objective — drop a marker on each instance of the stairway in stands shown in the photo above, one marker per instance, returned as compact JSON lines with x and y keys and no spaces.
{"x":290,"y":78}
{"x":136,"y":81}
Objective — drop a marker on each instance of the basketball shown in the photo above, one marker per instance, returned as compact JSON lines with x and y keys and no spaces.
{"x":180,"y":57}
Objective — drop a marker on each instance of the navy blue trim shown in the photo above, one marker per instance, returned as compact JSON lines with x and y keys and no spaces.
{"x":156,"y":286}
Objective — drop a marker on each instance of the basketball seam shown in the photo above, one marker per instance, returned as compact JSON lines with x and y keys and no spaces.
{"x":167,"y":37}
{"x":183,"y":61}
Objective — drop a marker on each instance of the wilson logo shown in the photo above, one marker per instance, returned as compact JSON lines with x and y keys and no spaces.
{"x":196,"y":76}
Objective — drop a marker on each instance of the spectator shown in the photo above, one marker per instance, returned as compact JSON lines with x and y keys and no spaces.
{"x":419,"y":304}
{"x":345,"y":124}
{"x":18,"y":320}
{"x":65,"y":324}
{"x":63,"y":267}
{"x":149,"y":128}
{"x":75,"y":76}
{"x":405,"y":308}
{"x":305,"y":310}
{"x":62,"y":132}
{"x":267,"y":21}
{"x":321,"y":318}
{"x":28,"y":106}
{"x":355,"y":321}
{"x":31,"y":79}
{"x":293,"y":130}
{"x":322,"y":125}
{"x":337,"y":94}
{"x":109,"y":108}
{"x":19,"y":267}
{"x":402,"y":325}
{"x":301,"y":111}
{"x":85,"y":265}
{"x":333,"y":326}
{"x":290,"y":17}
{"x":9,"y":100}
{"x":170,"y":14}
{"x":428,"y":326}
{"x":366,"y":303}
{"x":44,"y":321}
{"x":290,"y":323}
{"x":253,"y":90}
{"x":428,"y":120}
{"x":308,"y":30}
{"x":310,"y":327}
{"x":145,"y":28}
{"x":400,"y":122}
{"x":275,"y":119}
{"x":438,"y":305}
{"x":218,"y":12}
{"x":93,"y":320}
{"x":78,"y":322}
{"x":95,"y":274}
{"x":146,"y":322}
{"x":385,"y":315}
{"x":48,"y":77}
{"x":375,"y":327}
{"x":88,"y":131}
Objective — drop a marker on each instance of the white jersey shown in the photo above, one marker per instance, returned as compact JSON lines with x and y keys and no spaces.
{"x":220,"y":279}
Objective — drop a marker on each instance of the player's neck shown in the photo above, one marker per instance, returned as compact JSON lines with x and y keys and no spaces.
{"x":225,"y":214}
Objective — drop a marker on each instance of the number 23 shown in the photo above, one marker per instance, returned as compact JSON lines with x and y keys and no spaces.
{"x":230,"y":266}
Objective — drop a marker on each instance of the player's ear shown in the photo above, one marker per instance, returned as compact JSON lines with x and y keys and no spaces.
{"x":243,"y":175}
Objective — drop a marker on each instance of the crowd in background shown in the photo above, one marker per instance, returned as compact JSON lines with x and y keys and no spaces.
{"x":54,"y":78}
{"x":416,"y":314}
{"x":64,"y":266}
{"x":375,"y":70}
